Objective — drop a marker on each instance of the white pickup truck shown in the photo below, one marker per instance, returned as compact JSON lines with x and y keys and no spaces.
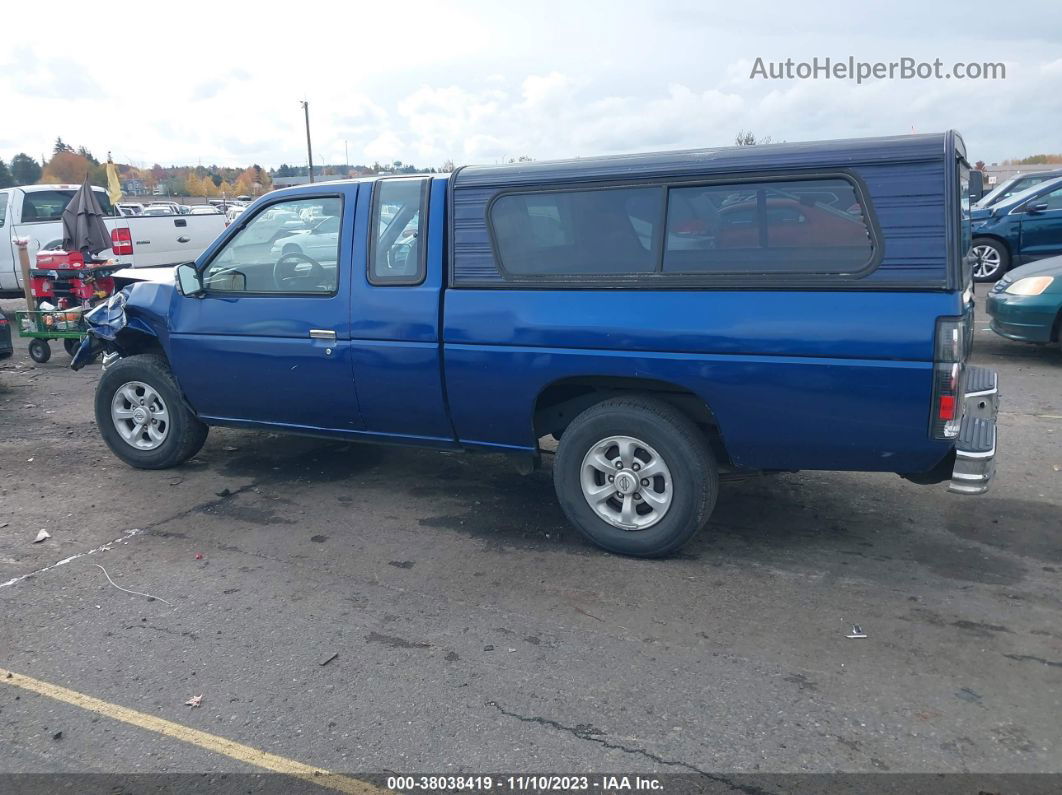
{"x":35,"y":212}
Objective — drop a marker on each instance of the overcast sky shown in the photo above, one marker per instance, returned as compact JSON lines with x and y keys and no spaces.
{"x":220,"y":82}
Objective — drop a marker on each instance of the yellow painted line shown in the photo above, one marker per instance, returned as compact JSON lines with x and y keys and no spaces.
{"x":210,"y":742}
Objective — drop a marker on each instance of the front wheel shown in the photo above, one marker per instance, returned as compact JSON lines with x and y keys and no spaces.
{"x":635,"y":476}
{"x":991,"y":260}
{"x":143,"y":417}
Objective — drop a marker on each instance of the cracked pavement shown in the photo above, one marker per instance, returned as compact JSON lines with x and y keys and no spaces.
{"x":475,"y":632}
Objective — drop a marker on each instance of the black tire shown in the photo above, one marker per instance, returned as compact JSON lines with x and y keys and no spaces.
{"x":71,"y":346}
{"x":185,"y":434}
{"x":678,"y":441}
{"x":39,"y":350}
{"x":991,"y":247}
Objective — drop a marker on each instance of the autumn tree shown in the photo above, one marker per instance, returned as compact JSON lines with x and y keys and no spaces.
{"x":66,"y":166}
{"x":25,"y":170}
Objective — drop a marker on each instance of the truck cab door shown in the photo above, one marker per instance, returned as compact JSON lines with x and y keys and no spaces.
{"x":268,"y":342}
{"x":395,"y":310}
{"x":1041,"y":230}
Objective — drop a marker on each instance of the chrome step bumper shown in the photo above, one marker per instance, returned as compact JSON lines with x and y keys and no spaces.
{"x":975,"y":448}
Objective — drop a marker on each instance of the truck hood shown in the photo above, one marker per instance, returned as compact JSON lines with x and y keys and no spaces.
{"x":164,"y":274}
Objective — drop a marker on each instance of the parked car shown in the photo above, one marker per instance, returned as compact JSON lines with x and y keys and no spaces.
{"x":34,"y":212}
{"x":6,"y":348}
{"x":158,"y":210}
{"x":204,"y":210}
{"x":1021,"y":229}
{"x":130,"y":208}
{"x":233,"y":213}
{"x":1026,"y":304}
{"x":317,"y":241}
{"x":1014,"y":185}
{"x":606,"y":302}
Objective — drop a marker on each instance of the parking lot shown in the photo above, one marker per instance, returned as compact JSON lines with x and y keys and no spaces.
{"x":371,"y":609}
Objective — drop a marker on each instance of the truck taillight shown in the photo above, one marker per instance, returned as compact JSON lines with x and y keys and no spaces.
{"x":3,"y":321}
{"x":952,"y":347}
{"x":122,"y":241}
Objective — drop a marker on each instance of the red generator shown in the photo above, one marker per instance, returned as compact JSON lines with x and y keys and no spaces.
{"x":63,"y":279}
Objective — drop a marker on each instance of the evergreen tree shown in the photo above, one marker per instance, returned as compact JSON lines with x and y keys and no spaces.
{"x":25,"y":170}
{"x":6,"y":180}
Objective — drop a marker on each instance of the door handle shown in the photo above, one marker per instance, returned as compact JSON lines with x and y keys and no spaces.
{"x":183,"y":239}
{"x":322,"y":334}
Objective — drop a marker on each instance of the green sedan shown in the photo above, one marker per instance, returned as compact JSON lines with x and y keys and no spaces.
{"x":1026,"y":304}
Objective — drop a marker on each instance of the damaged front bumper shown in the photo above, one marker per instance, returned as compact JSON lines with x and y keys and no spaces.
{"x":104,"y":321}
{"x":975,"y":448}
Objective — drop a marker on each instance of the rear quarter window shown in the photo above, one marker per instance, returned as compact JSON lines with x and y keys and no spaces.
{"x":799,"y":226}
{"x":578,"y":233}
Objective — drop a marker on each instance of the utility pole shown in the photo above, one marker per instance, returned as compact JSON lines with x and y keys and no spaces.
{"x":309,"y":148}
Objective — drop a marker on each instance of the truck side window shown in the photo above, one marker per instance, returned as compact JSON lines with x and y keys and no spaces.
{"x":579,"y":232}
{"x":397,"y":240}
{"x":801,"y":226}
{"x":288,"y":247}
{"x":3,"y":208}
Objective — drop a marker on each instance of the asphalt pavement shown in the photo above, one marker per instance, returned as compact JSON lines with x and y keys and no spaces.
{"x":368,"y":609}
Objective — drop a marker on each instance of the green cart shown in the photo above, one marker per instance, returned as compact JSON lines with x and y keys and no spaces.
{"x":41,"y":325}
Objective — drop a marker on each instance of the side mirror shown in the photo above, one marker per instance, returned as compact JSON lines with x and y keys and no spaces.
{"x":1035,"y":208}
{"x":189,"y":282}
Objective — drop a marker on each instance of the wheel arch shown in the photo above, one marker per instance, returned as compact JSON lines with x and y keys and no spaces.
{"x":561,"y":400}
{"x":995,"y":239}
{"x":132,"y":341}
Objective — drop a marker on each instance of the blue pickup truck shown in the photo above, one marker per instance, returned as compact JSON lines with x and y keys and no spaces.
{"x":665,"y":317}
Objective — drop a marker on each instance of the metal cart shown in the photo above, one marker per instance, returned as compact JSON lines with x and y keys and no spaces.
{"x":42,"y":325}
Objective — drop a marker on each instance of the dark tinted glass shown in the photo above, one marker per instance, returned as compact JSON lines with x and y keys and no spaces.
{"x":48,"y":205}
{"x":570,"y":233}
{"x":399,"y":219}
{"x":803,"y":226}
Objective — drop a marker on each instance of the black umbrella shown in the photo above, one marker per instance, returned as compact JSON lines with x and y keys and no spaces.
{"x":83,"y":227}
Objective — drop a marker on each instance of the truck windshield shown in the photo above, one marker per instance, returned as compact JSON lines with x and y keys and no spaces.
{"x":48,"y":205}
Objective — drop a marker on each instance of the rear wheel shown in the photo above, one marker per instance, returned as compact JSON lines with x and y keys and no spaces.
{"x":143,"y":417}
{"x":39,"y":350}
{"x":635,"y":476}
{"x":991,"y":259}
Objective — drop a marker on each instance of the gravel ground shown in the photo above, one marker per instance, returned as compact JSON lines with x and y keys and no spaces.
{"x":476,"y":632}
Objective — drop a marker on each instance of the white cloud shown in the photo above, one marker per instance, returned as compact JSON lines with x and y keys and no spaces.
{"x":481,"y":81}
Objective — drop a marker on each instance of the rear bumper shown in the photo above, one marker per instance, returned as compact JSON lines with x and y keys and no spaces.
{"x":975,"y":449}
